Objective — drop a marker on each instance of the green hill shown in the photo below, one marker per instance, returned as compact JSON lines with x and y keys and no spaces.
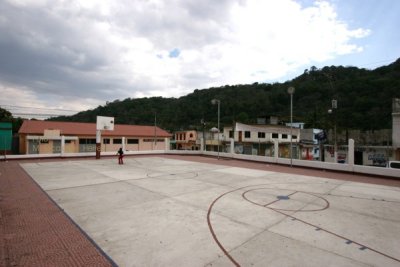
{"x":364,"y":102}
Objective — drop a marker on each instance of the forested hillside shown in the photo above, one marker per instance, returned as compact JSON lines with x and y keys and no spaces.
{"x":364,"y":102}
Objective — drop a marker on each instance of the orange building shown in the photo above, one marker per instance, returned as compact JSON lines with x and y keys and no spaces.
{"x":186,"y":140}
{"x":45,"y":137}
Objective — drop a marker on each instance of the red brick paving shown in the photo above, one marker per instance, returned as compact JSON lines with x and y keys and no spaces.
{"x":35,"y":232}
{"x":362,"y":178}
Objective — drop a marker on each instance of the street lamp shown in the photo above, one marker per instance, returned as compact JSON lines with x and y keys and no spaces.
{"x":217,"y":101}
{"x":332,"y":111}
{"x":203,"y":123}
{"x":291,"y":92}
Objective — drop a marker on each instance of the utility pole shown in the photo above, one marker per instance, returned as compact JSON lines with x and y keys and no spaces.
{"x":155,"y":130}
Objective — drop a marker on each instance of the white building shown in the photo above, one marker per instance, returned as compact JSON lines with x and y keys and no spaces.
{"x":309,"y":143}
{"x":260,"y":139}
{"x":299,"y":125}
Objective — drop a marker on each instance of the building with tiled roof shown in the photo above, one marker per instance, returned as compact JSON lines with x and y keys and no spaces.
{"x":43,"y":137}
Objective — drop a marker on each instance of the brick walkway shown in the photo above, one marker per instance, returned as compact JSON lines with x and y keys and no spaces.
{"x":362,"y":178}
{"x":35,"y":232}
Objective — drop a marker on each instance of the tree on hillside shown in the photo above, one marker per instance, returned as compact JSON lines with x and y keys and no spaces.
{"x":364,"y":102}
{"x":5,"y":115}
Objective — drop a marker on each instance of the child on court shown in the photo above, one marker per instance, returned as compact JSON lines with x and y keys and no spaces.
{"x":120,"y":154}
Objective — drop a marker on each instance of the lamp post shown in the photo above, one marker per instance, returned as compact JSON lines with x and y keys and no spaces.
{"x":203,"y":123}
{"x":333,"y":112}
{"x":155,"y":131}
{"x":217,"y":101}
{"x":291,"y":92}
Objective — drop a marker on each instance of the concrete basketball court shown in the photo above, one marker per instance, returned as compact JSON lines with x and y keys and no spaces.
{"x":155,"y":211}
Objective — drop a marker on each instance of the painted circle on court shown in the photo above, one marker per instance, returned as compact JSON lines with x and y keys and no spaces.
{"x":285,"y":200}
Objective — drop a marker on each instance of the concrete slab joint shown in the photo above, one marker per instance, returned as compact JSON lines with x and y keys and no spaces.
{"x":199,"y":211}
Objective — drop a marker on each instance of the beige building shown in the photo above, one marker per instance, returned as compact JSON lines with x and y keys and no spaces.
{"x":45,"y":137}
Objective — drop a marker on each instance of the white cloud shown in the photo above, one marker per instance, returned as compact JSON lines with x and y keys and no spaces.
{"x":25,"y":103}
{"x":102,"y":50}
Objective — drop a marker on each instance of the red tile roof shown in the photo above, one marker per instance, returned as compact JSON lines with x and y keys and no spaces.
{"x":81,"y":128}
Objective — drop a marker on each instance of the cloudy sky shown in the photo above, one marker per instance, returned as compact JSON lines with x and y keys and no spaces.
{"x":57,"y":56}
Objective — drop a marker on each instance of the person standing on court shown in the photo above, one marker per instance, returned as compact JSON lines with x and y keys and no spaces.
{"x":120,"y":154}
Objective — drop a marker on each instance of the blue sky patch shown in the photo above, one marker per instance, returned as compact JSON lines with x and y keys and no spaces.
{"x":174,"y":53}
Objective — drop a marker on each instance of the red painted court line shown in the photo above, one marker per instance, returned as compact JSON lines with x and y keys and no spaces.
{"x":213,"y":232}
{"x":227,"y":254}
{"x":322,"y":229}
{"x":16,"y":197}
{"x":337,"y":235}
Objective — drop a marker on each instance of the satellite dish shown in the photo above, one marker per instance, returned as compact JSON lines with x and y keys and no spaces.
{"x":214,"y":130}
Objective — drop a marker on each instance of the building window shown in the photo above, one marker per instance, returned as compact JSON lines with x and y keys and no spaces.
{"x":87,"y":141}
{"x":152,"y":140}
{"x":87,"y":145}
{"x":294,"y":136}
{"x":132,"y":141}
{"x":44,"y":141}
{"x":275,"y":135}
{"x":106,"y":141}
{"x":247,"y":134}
{"x":261,"y":135}
{"x":191,"y":136}
{"x":117,"y":141}
{"x":68,"y":141}
{"x":231,"y":134}
{"x":284,"y":136}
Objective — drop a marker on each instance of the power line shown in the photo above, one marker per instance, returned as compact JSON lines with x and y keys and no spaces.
{"x":38,"y":114}
{"x":24,"y":107}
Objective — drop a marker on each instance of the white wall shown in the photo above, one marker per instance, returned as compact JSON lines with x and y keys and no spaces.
{"x":396,"y":130}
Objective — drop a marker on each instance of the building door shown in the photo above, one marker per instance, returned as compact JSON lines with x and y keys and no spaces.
{"x":56,"y":146}
{"x":33,"y":146}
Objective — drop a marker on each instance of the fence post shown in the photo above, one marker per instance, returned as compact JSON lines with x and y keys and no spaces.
{"x":202,"y":144}
{"x":351,"y":154}
{"x":167,"y":144}
{"x":62,"y":145}
{"x":276,"y":150}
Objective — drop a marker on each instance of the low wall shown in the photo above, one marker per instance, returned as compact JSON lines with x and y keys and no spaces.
{"x":313,"y":164}
{"x":284,"y":161}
